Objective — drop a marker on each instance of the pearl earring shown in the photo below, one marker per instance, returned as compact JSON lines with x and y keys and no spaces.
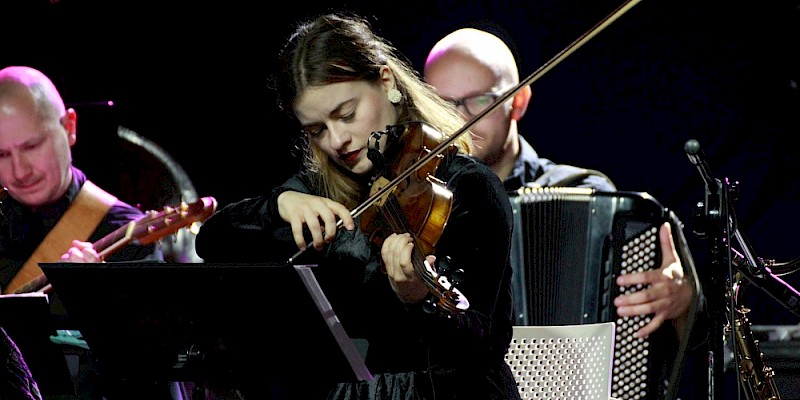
{"x":394,"y":96}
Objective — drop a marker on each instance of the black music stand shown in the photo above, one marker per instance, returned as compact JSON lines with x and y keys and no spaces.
{"x":266,"y":330}
{"x":27,"y":321}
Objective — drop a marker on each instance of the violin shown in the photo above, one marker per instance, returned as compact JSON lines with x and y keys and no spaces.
{"x":419,"y":204}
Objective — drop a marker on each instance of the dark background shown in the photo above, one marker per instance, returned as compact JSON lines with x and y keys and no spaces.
{"x":191,"y":77}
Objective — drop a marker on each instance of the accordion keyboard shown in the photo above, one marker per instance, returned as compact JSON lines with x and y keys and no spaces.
{"x":631,"y":354}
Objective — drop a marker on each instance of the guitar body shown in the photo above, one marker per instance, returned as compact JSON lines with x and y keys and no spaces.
{"x":148,"y":229}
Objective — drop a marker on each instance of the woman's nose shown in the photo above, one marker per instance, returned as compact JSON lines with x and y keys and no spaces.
{"x":339,"y":138}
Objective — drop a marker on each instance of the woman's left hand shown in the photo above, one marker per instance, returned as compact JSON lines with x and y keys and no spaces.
{"x":396,"y":253}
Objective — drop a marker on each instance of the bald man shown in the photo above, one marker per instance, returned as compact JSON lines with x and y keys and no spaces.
{"x":38,"y":180}
{"x":472,"y":68}
{"x":38,"y":183}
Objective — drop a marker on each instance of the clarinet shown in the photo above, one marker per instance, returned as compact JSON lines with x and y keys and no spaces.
{"x":758,"y":379}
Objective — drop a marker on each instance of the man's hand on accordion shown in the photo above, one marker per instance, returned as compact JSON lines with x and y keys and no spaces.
{"x":667,"y":297}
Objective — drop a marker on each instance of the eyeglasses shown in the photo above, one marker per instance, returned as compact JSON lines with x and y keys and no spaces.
{"x":476,"y":104}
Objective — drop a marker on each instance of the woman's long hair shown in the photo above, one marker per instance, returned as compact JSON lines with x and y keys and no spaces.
{"x":337,"y":48}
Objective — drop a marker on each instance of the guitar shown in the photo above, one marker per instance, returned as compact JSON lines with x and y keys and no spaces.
{"x":151,"y":227}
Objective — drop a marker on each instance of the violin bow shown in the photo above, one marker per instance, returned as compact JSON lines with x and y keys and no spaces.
{"x":533,"y":77}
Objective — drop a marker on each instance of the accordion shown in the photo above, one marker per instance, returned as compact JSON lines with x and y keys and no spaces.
{"x":568,"y":247}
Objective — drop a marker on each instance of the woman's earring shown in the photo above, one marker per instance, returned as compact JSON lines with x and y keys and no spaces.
{"x":394,"y":96}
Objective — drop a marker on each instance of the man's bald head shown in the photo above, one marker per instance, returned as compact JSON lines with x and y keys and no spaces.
{"x":481,"y":46}
{"x":24,"y":81}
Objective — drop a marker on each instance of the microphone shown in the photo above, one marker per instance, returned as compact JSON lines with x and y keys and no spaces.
{"x":772,"y":284}
{"x":741,"y":262}
{"x":374,"y":152}
{"x":697,"y":157}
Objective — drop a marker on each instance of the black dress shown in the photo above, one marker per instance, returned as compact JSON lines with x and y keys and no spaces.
{"x":412,"y":353}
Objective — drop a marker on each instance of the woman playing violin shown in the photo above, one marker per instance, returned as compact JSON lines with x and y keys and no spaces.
{"x":342,"y":83}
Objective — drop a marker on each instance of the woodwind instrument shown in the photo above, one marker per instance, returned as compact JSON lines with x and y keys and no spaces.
{"x":758,"y":379}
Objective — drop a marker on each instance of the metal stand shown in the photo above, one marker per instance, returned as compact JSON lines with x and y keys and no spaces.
{"x":717,"y":221}
{"x":713,"y":214}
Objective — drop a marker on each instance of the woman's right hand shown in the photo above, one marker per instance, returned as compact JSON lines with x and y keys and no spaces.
{"x":318,"y":214}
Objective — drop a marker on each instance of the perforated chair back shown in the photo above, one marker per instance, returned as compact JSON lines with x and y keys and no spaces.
{"x":563,"y":362}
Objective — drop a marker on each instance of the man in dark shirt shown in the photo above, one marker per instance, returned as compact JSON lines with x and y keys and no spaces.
{"x":39,"y":183}
{"x":472,"y":68}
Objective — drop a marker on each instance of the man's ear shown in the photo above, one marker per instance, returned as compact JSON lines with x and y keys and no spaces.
{"x":70,"y":124}
{"x":520,"y":102}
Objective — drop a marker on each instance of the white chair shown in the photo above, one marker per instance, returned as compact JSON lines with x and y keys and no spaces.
{"x":563,"y":362}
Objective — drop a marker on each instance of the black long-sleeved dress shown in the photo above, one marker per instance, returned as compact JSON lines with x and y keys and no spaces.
{"x":411,"y":353}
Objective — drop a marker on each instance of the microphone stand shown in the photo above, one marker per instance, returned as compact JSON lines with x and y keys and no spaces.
{"x":720,"y":224}
{"x":714,"y":212}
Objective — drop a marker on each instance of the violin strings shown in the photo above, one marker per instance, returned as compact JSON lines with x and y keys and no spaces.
{"x":391,"y":210}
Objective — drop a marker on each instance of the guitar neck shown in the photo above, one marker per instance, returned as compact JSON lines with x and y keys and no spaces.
{"x":117,"y":237}
{"x":146,"y":230}
{"x":154,"y":225}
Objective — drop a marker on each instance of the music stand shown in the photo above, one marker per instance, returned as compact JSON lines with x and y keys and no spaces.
{"x":27,"y":321}
{"x":257,"y":327}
